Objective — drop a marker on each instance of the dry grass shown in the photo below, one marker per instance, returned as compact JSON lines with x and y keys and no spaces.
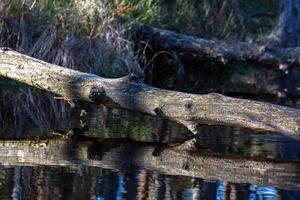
{"x":223,"y":19}
{"x":80,"y":34}
{"x":89,"y":35}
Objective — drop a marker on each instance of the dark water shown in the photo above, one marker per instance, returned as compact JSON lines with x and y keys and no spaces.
{"x":114,"y":154}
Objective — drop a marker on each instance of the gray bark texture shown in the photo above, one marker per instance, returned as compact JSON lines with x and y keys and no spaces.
{"x":217,"y":50}
{"x":131,"y":93}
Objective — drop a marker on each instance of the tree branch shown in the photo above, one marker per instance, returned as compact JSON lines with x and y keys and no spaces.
{"x":132,"y":94}
{"x":218,"y":50}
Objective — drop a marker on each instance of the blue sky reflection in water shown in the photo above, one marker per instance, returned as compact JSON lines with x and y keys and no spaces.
{"x":133,"y":183}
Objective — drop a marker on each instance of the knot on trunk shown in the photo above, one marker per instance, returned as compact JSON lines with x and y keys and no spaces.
{"x":97,"y":94}
{"x":189,"y":106}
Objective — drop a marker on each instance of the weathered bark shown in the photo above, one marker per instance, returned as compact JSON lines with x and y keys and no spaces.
{"x":78,"y":153}
{"x":217,"y":50}
{"x":286,"y":32}
{"x":130,"y":93}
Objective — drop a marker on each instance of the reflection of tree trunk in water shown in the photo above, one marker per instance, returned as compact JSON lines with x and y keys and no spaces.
{"x":18,"y":185}
{"x":32,"y":190}
{"x":161,"y":187}
{"x":142,"y":185}
{"x":153,"y":188}
{"x":286,"y":32}
{"x":196,"y":189}
{"x":130,"y":185}
{"x":232,"y":192}
{"x":168,"y":189}
{"x":93,"y":187}
{"x":76,"y":186}
{"x":40,"y":184}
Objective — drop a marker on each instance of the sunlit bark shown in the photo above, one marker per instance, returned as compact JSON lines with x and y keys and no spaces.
{"x":131,"y":93}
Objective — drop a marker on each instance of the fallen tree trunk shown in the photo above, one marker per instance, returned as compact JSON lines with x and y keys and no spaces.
{"x":132,"y":94}
{"x":112,"y":155}
{"x":218,"y":50}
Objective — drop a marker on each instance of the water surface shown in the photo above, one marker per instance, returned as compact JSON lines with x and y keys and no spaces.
{"x":115,"y":154}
